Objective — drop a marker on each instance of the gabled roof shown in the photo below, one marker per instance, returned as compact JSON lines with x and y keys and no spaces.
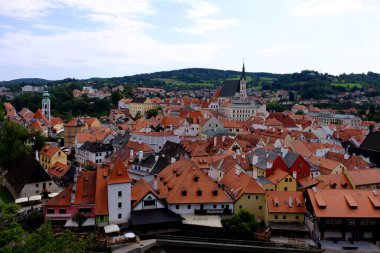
{"x":25,"y":170}
{"x":277,"y":176}
{"x":239,"y":184}
{"x":39,"y":115}
{"x":282,"y":198}
{"x":49,"y":151}
{"x":85,"y":188}
{"x":140,"y":189}
{"x":372,"y":141}
{"x":345,"y":203}
{"x":172,"y":149}
{"x":58,"y":169}
{"x":101,"y":192}
{"x":62,"y":199}
{"x":182,"y":182}
{"x":119,"y":174}
{"x":337,"y":181}
{"x":230,"y":87}
{"x":364,"y":177}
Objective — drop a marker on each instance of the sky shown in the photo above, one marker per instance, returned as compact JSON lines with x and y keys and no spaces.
{"x":56,"y":39}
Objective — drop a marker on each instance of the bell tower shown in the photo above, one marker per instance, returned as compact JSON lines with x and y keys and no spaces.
{"x":46,"y":105}
{"x":243,"y":84}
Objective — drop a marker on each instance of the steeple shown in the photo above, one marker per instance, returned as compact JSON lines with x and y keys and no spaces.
{"x":46,"y":105}
{"x":243,"y":73}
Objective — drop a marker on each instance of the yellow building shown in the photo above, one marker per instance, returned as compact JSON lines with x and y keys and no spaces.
{"x":77,"y":125}
{"x":141,"y":105}
{"x":282,"y":206}
{"x":245,"y":191}
{"x":283,"y":181}
{"x":49,"y":155}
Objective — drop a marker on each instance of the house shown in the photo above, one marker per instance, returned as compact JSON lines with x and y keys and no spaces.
{"x":145,"y":197}
{"x":285,"y":206}
{"x":141,"y":105}
{"x":26,"y":178}
{"x":188,"y":190}
{"x":94,"y":152}
{"x":245,"y":191}
{"x":344,"y":214}
{"x":62,"y":174}
{"x":333,"y":181}
{"x":156,"y":140}
{"x":50,"y":155}
{"x":282,"y":180}
{"x":119,"y":194}
{"x":77,"y":125}
{"x":327,"y":166}
{"x":364,"y":179}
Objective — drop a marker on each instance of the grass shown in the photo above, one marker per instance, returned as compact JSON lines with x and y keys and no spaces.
{"x":257,"y":87}
{"x":5,"y":195}
{"x":248,"y":78}
{"x":348,"y":85}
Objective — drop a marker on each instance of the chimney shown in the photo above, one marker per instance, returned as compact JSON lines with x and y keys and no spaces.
{"x":254,"y":174}
{"x":237,"y":171}
{"x":290,"y":202}
{"x":255,"y":159}
{"x":269,"y":165}
{"x":37,"y":156}
{"x":346,"y":156}
{"x":284,"y":152}
{"x":131,"y":153}
{"x":156,"y":158}
{"x":223,"y":138}
{"x":155,"y":183}
{"x":141,"y":154}
{"x":215,"y":141}
{"x":295,"y":174}
{"x":234,"y":156}
{"x":172,"y":160}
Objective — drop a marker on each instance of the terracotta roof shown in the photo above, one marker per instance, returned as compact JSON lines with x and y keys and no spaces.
{"x":85,"y":188}
{"x":239,"y":184}
{"x":119,"y":174}
{"x":39,"y":115}
{"x":36,"y":124}
{"x":301,"y":148}
{"x":345,"y":203}
{"x":278,"y":202}
{"x":284,"y":119}
{"x":139,"y":147}
{"x":182,"y":182}
{"x":323,"y":162}
{"x":338,"y":182}
{"x":49,"y":151}
{"x":101,"y":192}
{"x":140,"y":189}
{"x":364,"y":177}
{"x":56,"y":121}
{"x":307,"y":182}
{"x":62,"y":199}
{"x":58,"y":169}
{"x":277,"y":176}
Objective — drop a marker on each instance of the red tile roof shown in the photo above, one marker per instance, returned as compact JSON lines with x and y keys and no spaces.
{"x":140,"y":189}
{"x":282,"y":198}
{"x":364,"y":177}
{"x":62,"y":199}
{"x":58,"y":169}
{"x":49,"y":151}
{"x":101,"y":192}
{"x":85,"y":188}
{"x":119,"y":174}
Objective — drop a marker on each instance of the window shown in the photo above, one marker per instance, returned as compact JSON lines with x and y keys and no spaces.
{"x":36,"y":185}
{"x":37,"y":192}
{"x":119,"y":205}
{"x":286,"y":180}
{"x":150,"y":202}
{"x":50,"y":211}
{"x":260,"y":207}
{"x":101,"y":218}
{"x":297,"y":217}
{"x":119,"y":193}
{"x":249,"y":196}
{"x":284,"y":217}
{"x":222,"y":206}
{"x":285,"y":188}
{"x":227,"y":206}
{"x":119,"y":216}
{"x":214,"y":206}
{"x":176,"y":206}
{"x":257,"y":197}
{"x":49,"y":183}
{"x":62,"y":211}
{"x":240,"y":207}
{"x":188,"y":206}
{"x":85,"y":210}
{"x":276,"y":217}
{"x":290,"y":180}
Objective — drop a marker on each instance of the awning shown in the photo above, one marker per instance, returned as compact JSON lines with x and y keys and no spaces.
{"x":111,"y":229}
{"x":88,"y":223}
{"x":53,"y":194}
{"x":202,"y":220}
{"x":35,"y":198}
{"x":21,"y":200}
{"x":154,"y":216}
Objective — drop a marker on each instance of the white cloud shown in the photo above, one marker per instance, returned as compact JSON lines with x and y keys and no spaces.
{"x":203,"y":26}
{"x":330,"y":8}
{"x":26,"y":9}
{"x":201,"y":15}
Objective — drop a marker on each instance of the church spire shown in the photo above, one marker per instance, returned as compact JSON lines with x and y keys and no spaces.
{"x":243,"y":73}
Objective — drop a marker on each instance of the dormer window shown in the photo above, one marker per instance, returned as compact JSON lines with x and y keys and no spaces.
{"x":196,"y":178}
{"x":199,"y":192}
{"x":215,"y":192}
{"x":184,"y":192}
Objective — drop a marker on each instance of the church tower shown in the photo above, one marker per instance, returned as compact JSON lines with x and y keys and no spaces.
{"x":46,"y":105}
{"x":243,"y":85}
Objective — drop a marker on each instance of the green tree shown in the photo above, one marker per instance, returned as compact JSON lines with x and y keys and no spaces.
{"x":13,"y":138}
{"x":151,"y":113}
{"x":241,"y":225}
{"x":138,"y":115}
{"x":11,"y":232}
{"x":1,"y":112}
{"x":299,"y":112}
{"x":79,"y":219}
{"x":115,"y":97}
